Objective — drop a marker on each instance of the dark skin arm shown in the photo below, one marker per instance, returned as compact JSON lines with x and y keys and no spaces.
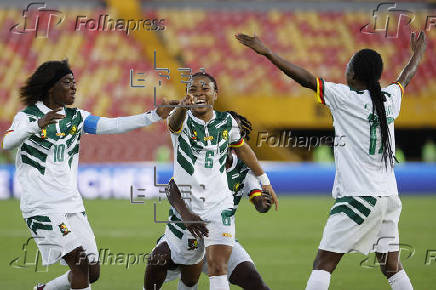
{"x":174,"y":196}
{"x":246,"y":155}
{"x":298,"y":74}
{"x":418,"y":45}
{"x":175,"y":121}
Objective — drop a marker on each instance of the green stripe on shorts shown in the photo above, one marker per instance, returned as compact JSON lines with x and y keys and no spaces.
{"x":175,"y":231}
{"x":354,"y":203}
{"x":349,"y":212}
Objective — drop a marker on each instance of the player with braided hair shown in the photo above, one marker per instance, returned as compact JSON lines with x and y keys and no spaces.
{"x":367,"y":209}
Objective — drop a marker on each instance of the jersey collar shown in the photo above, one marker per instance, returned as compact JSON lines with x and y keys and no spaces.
{"x":199,"y":120}
{"x":44,"y":109}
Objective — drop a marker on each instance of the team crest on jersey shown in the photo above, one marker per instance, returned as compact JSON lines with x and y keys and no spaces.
{"x":194,"y":135}
{"x":44,"y":133}
{"x":73,"y":130}
{"x":225,"y":134}
{"x":64,"y":230}
{"x":192,"y":244}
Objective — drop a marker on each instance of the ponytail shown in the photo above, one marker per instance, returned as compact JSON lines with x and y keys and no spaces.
{"x":367,"y":66}
{"x":378,"y":99}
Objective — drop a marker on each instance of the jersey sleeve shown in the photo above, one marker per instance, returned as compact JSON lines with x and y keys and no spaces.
{"x":252,"y":186}
{"x":395,"y":92}
{"x":119,"y":125}
{"x":331,"y":94}
{"x":235,"y":137}
{"x":22,"y":127}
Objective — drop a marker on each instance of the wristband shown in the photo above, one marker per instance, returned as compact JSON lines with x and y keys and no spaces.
{"x":264,"y":179}
{"x":255,"y":193}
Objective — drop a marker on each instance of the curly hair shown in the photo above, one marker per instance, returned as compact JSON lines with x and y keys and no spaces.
{"x":46,"y":75}
{"x":205,"y":74}
{"x":244,"y":124}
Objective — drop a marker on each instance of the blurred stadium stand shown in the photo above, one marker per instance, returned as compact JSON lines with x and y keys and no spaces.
{"x":321,"y":40}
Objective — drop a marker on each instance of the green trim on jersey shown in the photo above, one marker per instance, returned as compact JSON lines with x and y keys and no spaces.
{"x":196,"y":137}
{"x":348,"y":203}
{"x":35,"y":149}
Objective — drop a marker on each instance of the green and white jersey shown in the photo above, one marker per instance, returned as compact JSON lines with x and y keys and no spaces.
{"x":47,"y":161}
{"x":241,"y":181}
{"x":360,"y":170}
{"x":200,"y":153}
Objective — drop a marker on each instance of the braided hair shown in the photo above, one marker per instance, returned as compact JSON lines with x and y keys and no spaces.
{"x":205,"y":74}
{"x":244,"y":124}
{"x":368,"y":67}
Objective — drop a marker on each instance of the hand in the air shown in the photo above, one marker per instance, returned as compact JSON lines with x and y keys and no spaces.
{"x":418,"y":43}
{"x":254,"y":43}
{"x":166,"y":107}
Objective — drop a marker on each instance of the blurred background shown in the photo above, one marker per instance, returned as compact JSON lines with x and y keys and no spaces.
{"x":119,"y":72}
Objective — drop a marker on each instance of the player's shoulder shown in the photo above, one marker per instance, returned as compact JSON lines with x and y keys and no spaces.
{"x":219,"y":116}
{"x":32,"y":111}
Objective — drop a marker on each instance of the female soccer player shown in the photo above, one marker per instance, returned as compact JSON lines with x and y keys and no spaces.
{"x":241,"y":270}
{"x":201,"y":138}
{"x":47,"y":135}
{"x":367,"y":209}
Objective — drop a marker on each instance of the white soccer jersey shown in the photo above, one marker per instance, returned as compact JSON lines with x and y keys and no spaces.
{"x":241,"y":181}
{"x":360,"y":170}
{"x":200,"y":153}
{"x":46,"y":162}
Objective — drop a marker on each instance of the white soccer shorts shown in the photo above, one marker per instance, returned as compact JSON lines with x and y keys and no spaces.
{"x":363,"y":224}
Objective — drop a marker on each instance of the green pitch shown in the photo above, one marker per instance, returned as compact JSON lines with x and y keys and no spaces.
{"x":282,"y":244}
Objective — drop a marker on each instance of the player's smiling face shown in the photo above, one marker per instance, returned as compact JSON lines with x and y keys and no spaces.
{"x":204,"y":93}
{"x":64,"y":91}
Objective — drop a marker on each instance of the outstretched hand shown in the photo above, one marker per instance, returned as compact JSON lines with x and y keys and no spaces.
{"x":165,"y":108}
{"x":254,"y":43}
{"x":418,"y":43}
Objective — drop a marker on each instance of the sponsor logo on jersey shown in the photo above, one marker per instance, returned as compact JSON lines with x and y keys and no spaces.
{"x":206,"y":138}
{"x":60,"y":134}
{"x":64,"y":230}
{"x":192,"y":244}
{"x":228,"y":235}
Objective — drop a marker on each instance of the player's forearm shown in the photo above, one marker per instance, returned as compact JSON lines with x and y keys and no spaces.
{"x":14,"y":138}
{"x":410,"y":69}
{"x":175,"y":198}
{"x":175,"y":121}
{"x":119,"y":125}
{"x":299,"y":74}
{"x":246,"y":154}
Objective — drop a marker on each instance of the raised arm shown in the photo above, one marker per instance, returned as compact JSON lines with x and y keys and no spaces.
{"x":175,"y":121}
{"x":298,"y":74}
{"x":418,"y":45}
{"x":247,"y":156}
{"x":103,"y":125}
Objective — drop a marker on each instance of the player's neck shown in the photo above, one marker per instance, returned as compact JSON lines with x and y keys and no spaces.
{"x":51,"y":104}
{"x":206,"y":116}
